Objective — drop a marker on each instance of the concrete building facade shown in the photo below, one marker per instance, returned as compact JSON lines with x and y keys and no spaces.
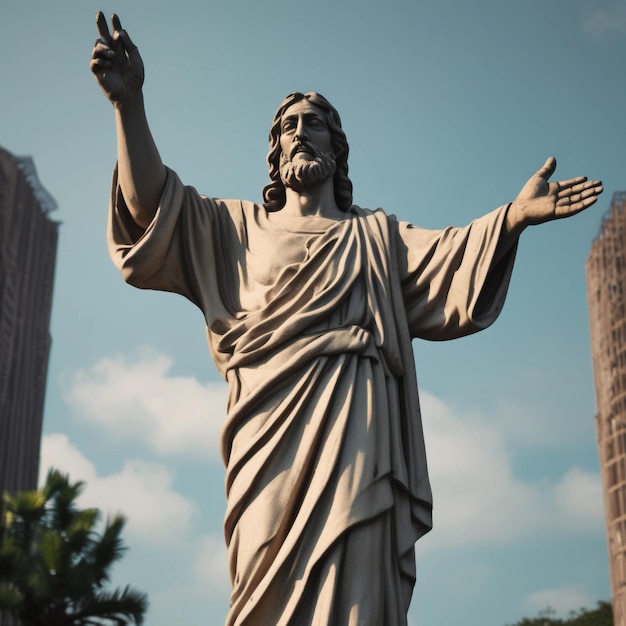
{"x":28,"y":241}
{"x":606,"y":293}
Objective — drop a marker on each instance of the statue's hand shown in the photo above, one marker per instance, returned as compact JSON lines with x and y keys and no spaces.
{"x":541,"y":201}
{"x":116,"y":62}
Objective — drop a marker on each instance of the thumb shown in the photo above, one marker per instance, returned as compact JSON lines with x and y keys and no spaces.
{"x":548,"y":168}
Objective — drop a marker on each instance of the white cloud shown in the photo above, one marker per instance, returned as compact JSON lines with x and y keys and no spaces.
{"x":610,"y":20}
{"x":59,"y":453}
{"x":579,"y":498}
{"x":141,"y":491}
{"x":479,"y":500}
{"x":562,"y":600}
{"x":536,"y":425}
{"x":200,"y":587}
{"x":211,"y":565}
{"x":137,"y":398}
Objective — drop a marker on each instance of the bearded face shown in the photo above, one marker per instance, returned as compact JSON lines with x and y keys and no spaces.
{"x":300,"y":173}
{"x":311,"y":120}
{"x":306,"y":158}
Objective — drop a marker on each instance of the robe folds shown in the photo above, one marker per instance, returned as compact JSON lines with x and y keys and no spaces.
{"x":310,"y":322}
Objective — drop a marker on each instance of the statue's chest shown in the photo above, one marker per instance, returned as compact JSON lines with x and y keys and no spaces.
{"x":272,"y":255}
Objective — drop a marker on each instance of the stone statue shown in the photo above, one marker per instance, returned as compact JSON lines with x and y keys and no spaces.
{"x":310,"y":305}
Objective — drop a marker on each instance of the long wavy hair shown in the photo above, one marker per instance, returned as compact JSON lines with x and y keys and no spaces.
{"x":274,"y":193}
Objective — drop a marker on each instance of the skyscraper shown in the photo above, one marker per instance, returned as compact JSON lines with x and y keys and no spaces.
{"x":28,"y":240}
{"x":606,"y":293}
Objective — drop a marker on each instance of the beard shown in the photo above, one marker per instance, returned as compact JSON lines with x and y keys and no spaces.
{"x":303,"y":174}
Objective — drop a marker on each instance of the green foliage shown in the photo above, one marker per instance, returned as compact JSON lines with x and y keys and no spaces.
{"x":54,"y":565}
{"x":602,"y":615}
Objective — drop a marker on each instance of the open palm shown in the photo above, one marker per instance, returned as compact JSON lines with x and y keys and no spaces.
{"x":541,"y":201}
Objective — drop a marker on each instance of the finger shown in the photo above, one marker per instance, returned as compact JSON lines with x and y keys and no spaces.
{"x":548,"y":168}
{"x":115,"y":21}
{"x":117,"y":31}
{"x":117,"y":44}
{"x":578,"y":188}
{"x":102,"y":50}
{"x":103,"y":27}
{"x":564,"y":185}
{"x":129,"y":46}
{"x":99,"y":65}
{"x":572,"y":209}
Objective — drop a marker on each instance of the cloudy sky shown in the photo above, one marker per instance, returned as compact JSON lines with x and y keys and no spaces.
{"x":449,"y":107}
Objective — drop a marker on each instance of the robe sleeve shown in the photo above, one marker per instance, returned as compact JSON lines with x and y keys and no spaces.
{"x":452,"y":284}
{"x":182,"y":250}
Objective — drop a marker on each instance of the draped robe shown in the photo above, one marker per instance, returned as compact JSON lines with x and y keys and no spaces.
{"x":310,"y":322}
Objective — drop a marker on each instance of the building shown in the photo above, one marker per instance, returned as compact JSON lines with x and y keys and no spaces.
{"x":28,"y":240}
{"x":606,"y":293}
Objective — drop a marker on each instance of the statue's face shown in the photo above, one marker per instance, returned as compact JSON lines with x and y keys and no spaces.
{"x":304,"y":132}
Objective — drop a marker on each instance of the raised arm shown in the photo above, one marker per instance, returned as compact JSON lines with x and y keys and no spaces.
{"x":118,"y":68}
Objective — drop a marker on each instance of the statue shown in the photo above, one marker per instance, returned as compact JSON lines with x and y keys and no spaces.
{"x":311,"y":304}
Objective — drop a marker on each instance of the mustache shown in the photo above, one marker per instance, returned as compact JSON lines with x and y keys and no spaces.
{"x":306,"y":147}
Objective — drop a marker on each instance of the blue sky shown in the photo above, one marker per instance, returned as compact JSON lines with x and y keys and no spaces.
{"x":448,"y":107}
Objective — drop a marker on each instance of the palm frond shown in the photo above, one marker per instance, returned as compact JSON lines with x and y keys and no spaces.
{"x":115,"y":605}
{"x":109,"y":548}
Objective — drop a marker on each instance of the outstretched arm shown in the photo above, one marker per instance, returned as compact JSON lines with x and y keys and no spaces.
{"x":118,"y":68}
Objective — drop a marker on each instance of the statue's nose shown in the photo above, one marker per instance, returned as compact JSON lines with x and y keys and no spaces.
{"x":300,"y":130}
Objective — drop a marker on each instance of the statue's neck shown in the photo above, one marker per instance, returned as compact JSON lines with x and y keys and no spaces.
{"x":317,"y":201}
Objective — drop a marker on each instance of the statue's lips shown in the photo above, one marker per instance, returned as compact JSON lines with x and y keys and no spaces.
{"x":302,"y":149}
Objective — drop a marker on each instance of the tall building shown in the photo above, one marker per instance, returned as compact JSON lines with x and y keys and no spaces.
{"x":28,"y":240}
{"x":606,"y":293}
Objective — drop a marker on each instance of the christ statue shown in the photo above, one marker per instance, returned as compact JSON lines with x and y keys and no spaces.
{"x":311,"y":304}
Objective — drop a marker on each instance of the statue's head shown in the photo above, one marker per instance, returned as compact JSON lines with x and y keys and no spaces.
{"x":274,"y":193}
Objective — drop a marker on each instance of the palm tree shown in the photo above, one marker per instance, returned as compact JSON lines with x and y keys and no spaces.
{"x":54,"y":565}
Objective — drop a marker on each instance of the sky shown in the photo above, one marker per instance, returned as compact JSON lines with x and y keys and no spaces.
{"x":449,"y":108}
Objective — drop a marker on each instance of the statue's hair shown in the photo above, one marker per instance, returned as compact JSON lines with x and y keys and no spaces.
{"x":274,"y":193}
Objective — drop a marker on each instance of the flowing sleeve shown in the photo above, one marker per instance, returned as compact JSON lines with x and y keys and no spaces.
{"x":186,"y":249}
{"x":452,"y":283}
